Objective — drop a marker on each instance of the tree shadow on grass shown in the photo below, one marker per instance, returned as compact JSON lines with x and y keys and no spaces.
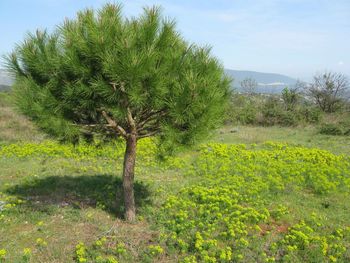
{"x":102,"y":191}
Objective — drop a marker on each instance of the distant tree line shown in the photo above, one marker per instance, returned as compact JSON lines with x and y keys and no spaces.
{"x":301,"y":104}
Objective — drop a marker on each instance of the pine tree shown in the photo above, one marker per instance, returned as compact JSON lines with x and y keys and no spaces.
{"x":101,"y":73}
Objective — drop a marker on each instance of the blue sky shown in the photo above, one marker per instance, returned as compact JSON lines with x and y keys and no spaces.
{"x":293,"y":37}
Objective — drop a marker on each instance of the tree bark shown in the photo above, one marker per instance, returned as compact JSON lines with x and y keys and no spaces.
{"x":128,"y":177}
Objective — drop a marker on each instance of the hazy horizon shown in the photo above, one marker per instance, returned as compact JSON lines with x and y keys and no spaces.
{"x":296,"y":38}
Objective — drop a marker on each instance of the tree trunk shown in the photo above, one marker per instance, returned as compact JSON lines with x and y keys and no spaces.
{"x":128,"y":177}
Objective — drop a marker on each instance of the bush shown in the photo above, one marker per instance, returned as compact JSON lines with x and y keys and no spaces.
{"x":270,"y":112}
{"x":290,"y":98}
{"x":289,"y":118}
{"x":242,"y":110}
{"x":331,"y":129}
{"x":311,"y":115}
{"x":247,"y":115}
{"x":273,"y":113}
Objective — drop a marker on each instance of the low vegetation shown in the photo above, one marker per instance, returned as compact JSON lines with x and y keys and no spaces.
{"x":242,"y":210}
{"x":222,"y":203}
{"x":286,"y":110}
{"x":324,"y":102}
{"x":270,"y":110}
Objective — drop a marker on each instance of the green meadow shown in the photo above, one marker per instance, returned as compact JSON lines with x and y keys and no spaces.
{"x":249,"y":194}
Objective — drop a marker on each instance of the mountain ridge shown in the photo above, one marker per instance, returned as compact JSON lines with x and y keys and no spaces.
{"x":267,"y":82}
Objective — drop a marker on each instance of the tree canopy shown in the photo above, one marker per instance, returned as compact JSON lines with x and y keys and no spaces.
{"x":100,"y":65}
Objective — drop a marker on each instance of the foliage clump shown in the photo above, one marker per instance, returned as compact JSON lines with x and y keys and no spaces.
{"x":331,"y":129}
{"x":95,"y":72}
{"x":227,"y":217}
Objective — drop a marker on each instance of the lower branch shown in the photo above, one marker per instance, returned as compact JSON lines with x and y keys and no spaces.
{"x":113,"y":124}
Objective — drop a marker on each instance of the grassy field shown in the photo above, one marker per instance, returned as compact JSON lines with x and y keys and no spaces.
{"x":250,"y":194}
{"x":308,"y":136}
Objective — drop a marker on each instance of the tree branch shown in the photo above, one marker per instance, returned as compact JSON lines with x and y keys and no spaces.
{"x":131,"y":120}
{"x":114,"y":125}
{"x":149,"y":134}
{"x":96,"y":125}
{"x":129,"y":116}
{"x":152,"y":115}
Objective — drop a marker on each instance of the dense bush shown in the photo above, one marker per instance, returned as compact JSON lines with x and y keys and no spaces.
{"x":339,"y":126}
{"x":290,"y":98}
{"x":331,"y":129}
{"x":242,"y":110}
{"x":275,"y":114}
{"x":311,"y":115}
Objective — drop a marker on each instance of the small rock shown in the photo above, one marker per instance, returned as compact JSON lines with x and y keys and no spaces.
{"x":64,"y":204}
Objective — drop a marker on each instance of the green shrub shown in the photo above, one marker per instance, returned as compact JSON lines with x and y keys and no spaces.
{"x":290,"y":98}
{"x":273,"y":113}
{"x":288,"y":118}
{"x":247,"y":115}
{"x":242,"y":110}
{"x":331,"y":129}
{"x":311,"y":115}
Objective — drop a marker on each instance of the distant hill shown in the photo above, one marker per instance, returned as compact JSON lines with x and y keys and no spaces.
{"x":267,"y":82}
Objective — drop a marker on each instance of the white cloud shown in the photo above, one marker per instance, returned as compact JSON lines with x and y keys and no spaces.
{"x":340,"y":63}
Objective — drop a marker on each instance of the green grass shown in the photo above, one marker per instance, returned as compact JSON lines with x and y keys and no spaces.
{"x":64,"y":201}
{"x":308,"y":136}
{"x":75,"y":206}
